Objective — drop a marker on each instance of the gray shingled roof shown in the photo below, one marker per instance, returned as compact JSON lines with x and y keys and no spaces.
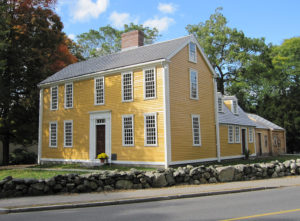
{"x":227,"y":117}
{"x":263,"y":123}
{"x":134,"y":56}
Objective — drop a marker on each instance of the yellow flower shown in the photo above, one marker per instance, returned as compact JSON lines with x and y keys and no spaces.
{"x":102,"y":156}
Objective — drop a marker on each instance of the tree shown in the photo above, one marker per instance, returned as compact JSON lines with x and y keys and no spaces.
{"x":107,"y":39}
{"x":35,"y":48}
{"x":227,"y":49}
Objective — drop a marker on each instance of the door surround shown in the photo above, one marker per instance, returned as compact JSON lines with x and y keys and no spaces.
{"x":94,"y":116}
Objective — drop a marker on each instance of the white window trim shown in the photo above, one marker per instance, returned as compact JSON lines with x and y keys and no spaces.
{"x":53,"y":122}
{"x":123,"y":134}
{"x":68,"y":121}
{"x":237,"y":110}
{"x":251,"y":137}
{"x":144,"y":82}
{"x":239,"y":137}
{"x":122,"y":85}
{"x":197,"y":88}
{"x":145,"y":131}
{"x":190,"y":59}
{"x":51,"y":98}
{"x":66,"y":95}
{"x":200,"y":140}
{"x":95,"y":94}
{"x":231,"y":126}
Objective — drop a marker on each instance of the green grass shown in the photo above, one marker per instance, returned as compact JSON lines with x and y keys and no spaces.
{"x":80,"y":166}
{"x":27,"y":173}
{"x":253,"y":160}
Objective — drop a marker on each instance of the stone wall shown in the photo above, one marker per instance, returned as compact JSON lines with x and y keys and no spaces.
{"x":134,"y":179}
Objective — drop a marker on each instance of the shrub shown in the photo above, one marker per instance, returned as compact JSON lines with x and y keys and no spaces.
{"x":22,"y":156}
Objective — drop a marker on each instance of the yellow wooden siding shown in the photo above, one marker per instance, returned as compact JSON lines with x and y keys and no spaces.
{"x":280,"y":147}
{"x":182,"y":107}
{"x":265,"y":149}
{"x":84,"y":103}
{"x":233,"y":149}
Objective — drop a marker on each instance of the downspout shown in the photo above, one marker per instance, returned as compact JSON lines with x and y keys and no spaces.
{"x":40,"y":125}
{"x":217,"y":121}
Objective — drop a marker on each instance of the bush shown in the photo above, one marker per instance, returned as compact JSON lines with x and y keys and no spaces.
{"x":22,"y":156}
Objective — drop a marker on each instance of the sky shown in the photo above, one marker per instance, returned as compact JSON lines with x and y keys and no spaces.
{"x":275,"y":20}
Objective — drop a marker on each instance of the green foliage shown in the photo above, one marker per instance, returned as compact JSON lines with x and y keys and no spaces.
{"x":107,"y":39}
{"x":33,"y":47}
{"x":22,"y":156}
{"x":227,"y":49}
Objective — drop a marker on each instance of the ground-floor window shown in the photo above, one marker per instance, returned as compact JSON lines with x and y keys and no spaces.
{"x":237,"y":134}
{"x":230,"y":134}
{"x":68,"y":133}
{"x":150,"y":129}
{"x":128,"y":130}
{"x":196,"y":130}
{"x":250,"y":135}
{"x":53,"y":134}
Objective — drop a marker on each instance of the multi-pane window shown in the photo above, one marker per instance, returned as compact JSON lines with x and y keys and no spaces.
{"x":234,"y":107}
{"x":237,"y":134}
{"x":128,"y":130}
{"x":266,"y":140}
{"x":230,"y":134}
{"x":250,"y":135}
{"x":150,"y":83}
{"x":68,"y":133}
{"x":192,"y":52}
{"x":220,"y":104}
{"x":196,"y":130}
{"x":99,"y":90}
{"x":127,"y":86}
{"x":53,"y":134}
{"x":54,"y":98}
{"x":193,"y":84}
{"x":150,"y":129}
{"x":69,"y":95}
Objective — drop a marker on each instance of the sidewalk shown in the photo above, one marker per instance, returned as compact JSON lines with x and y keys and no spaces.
{"x":37,"y":203}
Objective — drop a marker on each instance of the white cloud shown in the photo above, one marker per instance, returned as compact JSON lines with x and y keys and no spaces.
{"x":167,"y":8}
{"x":119,"y":19}
{"x":86,"y":9}
{"x":72,"y":36}
{"x":161,"y":24}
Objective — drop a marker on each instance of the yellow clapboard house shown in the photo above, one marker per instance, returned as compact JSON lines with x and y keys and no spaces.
{"x":149,"y":105}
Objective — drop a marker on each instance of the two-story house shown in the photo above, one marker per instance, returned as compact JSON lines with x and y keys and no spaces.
{"x":147,"y":105}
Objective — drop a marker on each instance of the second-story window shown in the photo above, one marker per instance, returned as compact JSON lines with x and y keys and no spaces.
{"x":54,"y":98}
{"x":149,"y":83}
{"x":192,"y":52}
{"x":69,"y":95}
{"x":193,"y":84}
{"x":127,"y":87}
{"x":99,"y":91}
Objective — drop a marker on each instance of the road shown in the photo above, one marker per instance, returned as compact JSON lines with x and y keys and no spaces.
{"x":275,"y":205}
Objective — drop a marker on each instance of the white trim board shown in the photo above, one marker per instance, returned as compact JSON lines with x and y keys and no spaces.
{"x":138,"y":162}
{"x":40,"y":125}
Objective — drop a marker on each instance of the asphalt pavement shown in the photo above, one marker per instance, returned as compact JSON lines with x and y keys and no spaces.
{"x":265,"y":205}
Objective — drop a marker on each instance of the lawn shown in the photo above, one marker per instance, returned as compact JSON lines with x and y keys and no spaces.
{"x":82,"y":167}
{"x":253,"y":160}
{"x":27,"y":173}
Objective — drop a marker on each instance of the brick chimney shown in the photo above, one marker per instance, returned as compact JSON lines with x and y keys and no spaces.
{"x":132,"y":39}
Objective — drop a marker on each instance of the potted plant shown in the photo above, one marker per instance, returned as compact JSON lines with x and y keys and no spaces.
{"x":103,"y":157}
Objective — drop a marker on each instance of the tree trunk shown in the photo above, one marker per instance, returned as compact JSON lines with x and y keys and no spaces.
{"x":220,"y":84}
{"x":5,"y":143}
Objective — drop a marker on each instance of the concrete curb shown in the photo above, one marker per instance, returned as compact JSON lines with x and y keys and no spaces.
{"x":126,"y":201}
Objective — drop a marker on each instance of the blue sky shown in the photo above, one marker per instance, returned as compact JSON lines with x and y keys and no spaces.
{"x":275,"y":20}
